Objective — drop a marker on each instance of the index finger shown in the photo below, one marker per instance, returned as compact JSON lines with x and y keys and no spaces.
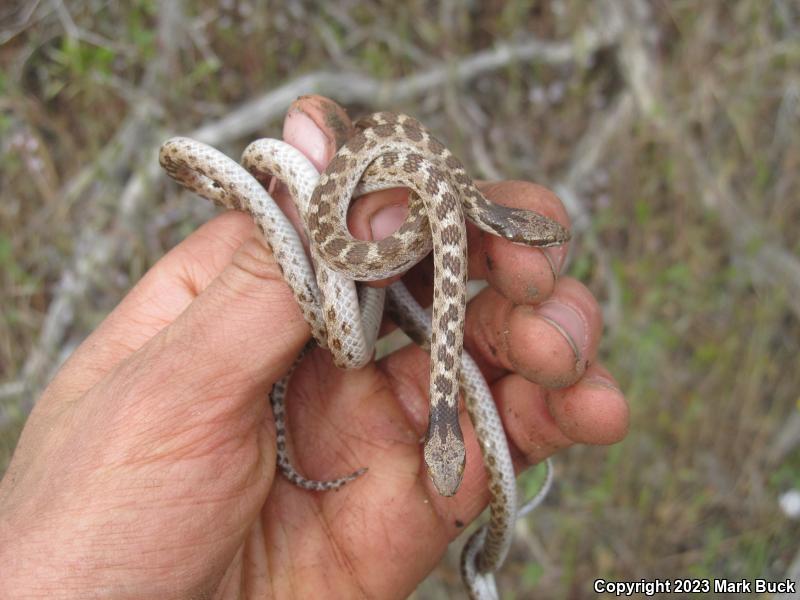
{"x":525,"y":275}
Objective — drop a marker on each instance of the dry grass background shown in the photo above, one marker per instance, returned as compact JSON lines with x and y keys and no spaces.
{"x":669,"y":129}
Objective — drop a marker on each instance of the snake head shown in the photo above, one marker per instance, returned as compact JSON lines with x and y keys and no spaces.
{"x":445,"y":456}
{"x":528,"y":227}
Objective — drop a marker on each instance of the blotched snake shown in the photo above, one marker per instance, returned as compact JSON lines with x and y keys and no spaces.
{"x":388,"y":150}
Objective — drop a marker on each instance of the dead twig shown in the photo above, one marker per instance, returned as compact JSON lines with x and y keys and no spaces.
{"x":358,"y":88}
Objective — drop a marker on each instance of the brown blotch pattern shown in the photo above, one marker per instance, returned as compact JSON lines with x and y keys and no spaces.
{"x":413,"y":133}
{"x":413,"y":163}
{"x":435,"y":146}
{"x":451,"y":234}
{"x":452,"y":163}
{"x":443,"y":385}
{"x":447,"y":205}
{"x":356,"y":254}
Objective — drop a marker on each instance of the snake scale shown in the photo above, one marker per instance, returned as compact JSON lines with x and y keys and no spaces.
{"x":388,"y":150}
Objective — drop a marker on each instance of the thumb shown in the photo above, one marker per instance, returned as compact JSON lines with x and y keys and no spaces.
{"x":237,"y":337}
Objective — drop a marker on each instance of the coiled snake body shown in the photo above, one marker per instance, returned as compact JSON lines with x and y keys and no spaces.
{"x":389,"y":150}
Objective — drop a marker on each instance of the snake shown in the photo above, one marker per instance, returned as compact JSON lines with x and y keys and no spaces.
{"x":387,"y":150}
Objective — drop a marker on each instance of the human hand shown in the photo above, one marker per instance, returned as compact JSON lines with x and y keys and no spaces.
{"x":147,"y":468}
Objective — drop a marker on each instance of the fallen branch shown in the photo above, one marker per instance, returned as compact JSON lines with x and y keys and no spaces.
{"x":356,"y":88}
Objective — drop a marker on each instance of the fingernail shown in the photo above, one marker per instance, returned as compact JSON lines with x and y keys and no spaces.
{"x":557,"y":256}
{"x":386,"y":221}
{"x":302,"y":132}
{"x":602,"y":382}
{"x":568,"y":322}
